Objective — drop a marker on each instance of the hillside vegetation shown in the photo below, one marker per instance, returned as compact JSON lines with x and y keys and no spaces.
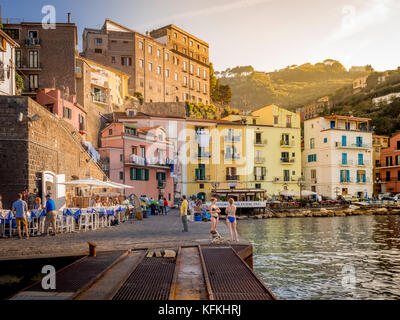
{"x":291,"y":87}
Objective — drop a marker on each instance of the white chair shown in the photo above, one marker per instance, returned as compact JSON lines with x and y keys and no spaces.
{"x":85,"y":221}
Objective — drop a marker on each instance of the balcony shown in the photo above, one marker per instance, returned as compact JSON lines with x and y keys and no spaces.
{"x":100,"y":98}
{"x":363,"y":181}
{"x":141,"y":161}
{"x":203,"y":155}
{"x":259,"y":178}
{"x":260,"y":142}
{"x":313,"y":180}
{"x":353,"y":145}
{"x":284,"y":180}
{"x":161,"y":184}
{"x":232,"y":138}
{"x":346,"y":181}
{"x":32,"y":42}
{"x":287,"y":161}
{"x":287,"y":143}
{"x":30,"y":67}
{"x":259,"y":160}
{"x":232,"y":178}
{"x":363,"y":163}
{"x":200,"y":177}
{"x":230,"y":156}
{"x":346,"y":163}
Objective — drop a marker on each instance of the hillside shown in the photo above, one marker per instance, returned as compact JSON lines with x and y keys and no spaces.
{"x":291,"y":87}
{"x":385,"y":116}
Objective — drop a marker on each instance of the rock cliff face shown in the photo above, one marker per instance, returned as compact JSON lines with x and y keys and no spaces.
{"x":27,"y":148}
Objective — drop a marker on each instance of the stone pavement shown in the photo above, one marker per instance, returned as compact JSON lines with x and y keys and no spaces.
{"x":155,"y":231}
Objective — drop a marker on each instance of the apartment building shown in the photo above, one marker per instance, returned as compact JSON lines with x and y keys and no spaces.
{"x":273,"y":149}
{"x":314,"y":109}
{"x":390,"y":166}
{"x":45,"y":57}
{"x":139,"y":157}
{"x":7,"y":64}
{"x":360,"y":83}
{"x":378,"y":143}
{"x":165,"y":65}
{"x":337,"y":157}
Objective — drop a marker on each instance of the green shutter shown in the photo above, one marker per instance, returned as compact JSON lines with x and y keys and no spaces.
{"x":197,"y":174}
{"x":146,"y":174}
{"x":133,"y":174}
{"x":138,"y":174}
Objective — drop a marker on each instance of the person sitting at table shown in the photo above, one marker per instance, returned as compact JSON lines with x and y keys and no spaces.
{"x":92,"y":201}
{"x":20,"y":210}
{"x":97,"y":203}
{"x":38,"y":204}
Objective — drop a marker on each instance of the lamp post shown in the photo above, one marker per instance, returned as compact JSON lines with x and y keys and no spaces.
{"x":301,"y":182}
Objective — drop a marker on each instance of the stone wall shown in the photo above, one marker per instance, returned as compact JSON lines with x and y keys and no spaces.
{"x":29,"y":148}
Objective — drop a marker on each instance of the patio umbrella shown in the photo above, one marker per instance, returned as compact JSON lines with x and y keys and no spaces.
{"x":288,"y":193}
{"x":119,"y":185}
{"x":91,"y":182}
{"x":307,"y":193}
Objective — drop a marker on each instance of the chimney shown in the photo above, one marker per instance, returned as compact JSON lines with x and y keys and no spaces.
{"x":69,"y":17}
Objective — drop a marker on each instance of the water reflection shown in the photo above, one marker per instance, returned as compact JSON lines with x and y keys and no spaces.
{"x":303,"y":258}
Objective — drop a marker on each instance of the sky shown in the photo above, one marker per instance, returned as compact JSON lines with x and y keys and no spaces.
{"x":267,"y":34}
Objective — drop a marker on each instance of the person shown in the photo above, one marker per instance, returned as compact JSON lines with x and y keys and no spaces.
{"x":184,"y":209}
{"x":214,"y":211}
{"x":152,"y":207}
{"x":1,"y":202}
{"x":162,"y":206}
{"x":51,"y":215}
{"x":191,"y":207}
{"x":231,"y":219}
{"x":165,"y":206}
{"x":20,"y":210}
{"x":38,"y":203}
{"x":92,"y":201}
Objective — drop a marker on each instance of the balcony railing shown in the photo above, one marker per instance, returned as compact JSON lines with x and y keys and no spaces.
{"x":32,"y":42}
{"x":202,"y":178}
{"x":287,"y":161}
{"x":339,"y":144}
{"x":363,"y":163}
{"x":154,"y":161}
{"x":287,"y":143}
{"x":284,"y":180}
{"x":232,"y":177}
{"x":259,"y":160}
{"x":259,"y":178}
{"x":260,"y":142}
{"x":99,"y":97}
{"x":230,"y":156}
{"x":346,"y":181}
{"x":232,"y":138}
{"x":204,"y":155}
{"x":347,"y":163}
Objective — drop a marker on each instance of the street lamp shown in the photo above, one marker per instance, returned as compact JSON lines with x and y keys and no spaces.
{"x":301,"y":183}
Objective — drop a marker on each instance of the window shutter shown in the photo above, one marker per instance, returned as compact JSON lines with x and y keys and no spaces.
{"x":138,"y":174}
{"x":197,"y":173}
{"x":130,"y":61}
{"x":264,"y":171}
{"x":341,"y":175}
{"x":132,"y":173}
{"x":348,"y":175}
{"x":146,"y":174}
{"x":122,"y":61}
{"x":255,"y":171}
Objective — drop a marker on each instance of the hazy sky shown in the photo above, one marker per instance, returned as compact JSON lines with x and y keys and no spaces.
{"x":267,"y":34}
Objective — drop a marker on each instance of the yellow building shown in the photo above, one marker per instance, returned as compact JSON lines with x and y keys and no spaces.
{"x":273,"y":149}
{"x":213,"y":158}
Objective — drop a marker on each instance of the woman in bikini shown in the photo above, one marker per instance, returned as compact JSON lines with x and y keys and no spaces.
{"x":214,"y":211}
{"x":231,"y":219}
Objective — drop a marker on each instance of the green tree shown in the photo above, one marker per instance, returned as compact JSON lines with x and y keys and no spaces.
{"x":19,"y":83}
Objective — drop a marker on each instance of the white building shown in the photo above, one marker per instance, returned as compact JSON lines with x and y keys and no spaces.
{"x":337,"y":156}
{"x":7,"y":64}
{"x":386,"y":99}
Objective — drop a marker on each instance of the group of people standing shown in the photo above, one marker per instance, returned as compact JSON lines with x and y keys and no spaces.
{"x":214,"y":211}
{"x":20,"y":212}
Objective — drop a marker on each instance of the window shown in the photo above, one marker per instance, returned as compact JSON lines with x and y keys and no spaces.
{"x":204,"y":49}
{"x":185,"y":81}
{"x":67,"y":113}
{"x":33,"y":82}
{"x":142,"y":152}
{"x":121,"y":175}
{"x":398,"y":145}
{"x":166,"y":57}
{"x":360,"y":159}
{"x":150,"y":50}
{"x":98,"y":50}
{"x":33,"y":34}
{"x":158,"y":52}
{"x":150,"y":66}
{"x":389,"y":162}
{"x":198,"y":71}
{"x":312,"y":157}
{"x":18,"y":61}
{"x":205,"y":88}
{"x":398,"y":175}
{"x":325,"y":140}
{"x":13,"y":33}
{"x":205,"y":74}
{"x":344,"y":175}
{"x":191,"y":43}
{"x":191,"y":83}
{"x":110,"y":132}
{"x":121,"y":157}
{"x":126,"y":61}
{"x":175,"y":35}
{"x":276,"y":119}
{"x":286,"y":175}
{"x":113,"y":60}
{"x":33,"y":59}
{"x":359,"y":141}
{"x":158,"y":70}
{"x":134,"y":150}
{"x":191,"y":68}
{"x":313,"y":174}
{"x":166,"y":73}
{"x":344,"y":158}
{"x":184,"y":65}
{"x":387,"y":175}
{"x":333,"y":124}
{"x":139,"y":174}
{"x":312,"y":143}
{"x":141,"y":45}
{"x":98,"y":40}
{"x":176,"y":76}
{"x":288,"y":121}
{"x":344,"y":141}
{"x":141,"y":63}
{"x":184,"y":39}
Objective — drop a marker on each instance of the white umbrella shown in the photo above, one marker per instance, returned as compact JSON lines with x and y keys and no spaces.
{"x":288,"y":193}
{"x":92,"y":182}
{"x":119,"y":185}
{"x":307,"y":193}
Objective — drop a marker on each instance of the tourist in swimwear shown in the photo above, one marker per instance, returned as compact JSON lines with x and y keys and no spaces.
{"x":231,"y":219}
{"x":214,"y":211}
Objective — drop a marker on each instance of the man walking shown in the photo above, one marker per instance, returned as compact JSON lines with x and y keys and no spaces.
{"x":184,"y":209}
{"x":20,"y":210}
{"x":51,"y":215}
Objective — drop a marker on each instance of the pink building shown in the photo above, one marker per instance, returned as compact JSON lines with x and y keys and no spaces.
{"x":69,"y":111}
{"x":140,"y":157}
